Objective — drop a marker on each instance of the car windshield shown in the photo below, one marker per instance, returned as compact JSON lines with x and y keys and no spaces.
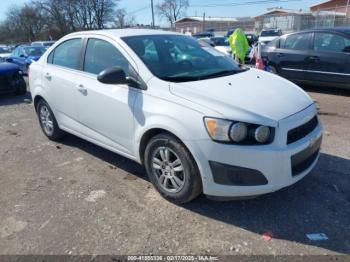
{"x":220,"y":41}
{"x":270,"y":33}
{"x":34,"y":50}
{"x":178,"y":58}
{"x":4,"y":50}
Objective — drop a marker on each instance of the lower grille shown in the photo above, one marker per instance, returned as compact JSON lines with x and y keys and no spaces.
{"x":304,"y":159}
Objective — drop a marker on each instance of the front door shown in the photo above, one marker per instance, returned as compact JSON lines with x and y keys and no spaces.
{"x":105,"y":111}
{"x":291,"y":55}
{"x":330,"y":59}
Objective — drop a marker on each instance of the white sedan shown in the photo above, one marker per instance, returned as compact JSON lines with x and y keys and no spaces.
{"x":198,"y":121}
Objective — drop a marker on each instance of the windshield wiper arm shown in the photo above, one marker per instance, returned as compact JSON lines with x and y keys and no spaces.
{"x":220,"y":73}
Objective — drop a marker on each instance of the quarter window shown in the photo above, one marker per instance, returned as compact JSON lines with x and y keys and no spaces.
{"x":328,"y":42}
{"x":101,"y":54}
{"x":66,"y":54}
{"x":296,"y":41}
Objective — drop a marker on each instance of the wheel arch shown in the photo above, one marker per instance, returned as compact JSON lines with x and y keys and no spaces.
{"x":37,"y":98}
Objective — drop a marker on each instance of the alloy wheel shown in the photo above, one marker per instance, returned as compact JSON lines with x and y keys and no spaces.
{"x":168,"y":169}
{"x":46,"y":120}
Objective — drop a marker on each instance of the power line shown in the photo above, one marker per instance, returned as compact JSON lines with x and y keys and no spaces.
{"x":139,"y":10}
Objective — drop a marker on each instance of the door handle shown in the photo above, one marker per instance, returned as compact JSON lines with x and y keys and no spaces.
{"x":314,"y":58}
{"x":82,"y":89}
{"x":48,"y":76}
{"x":280,"y":54}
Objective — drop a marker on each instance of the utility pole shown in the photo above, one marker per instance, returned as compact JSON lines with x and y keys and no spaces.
{"x":346,"y":10}
{"x":203,"y":29}
{"x":152,"y":14}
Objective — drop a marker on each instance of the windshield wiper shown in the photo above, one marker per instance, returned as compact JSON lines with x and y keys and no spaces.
{"x":221,"y":73}
{"x":179,"y":79}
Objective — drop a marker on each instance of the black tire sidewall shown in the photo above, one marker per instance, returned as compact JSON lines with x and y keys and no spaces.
{"x":193,"y":184}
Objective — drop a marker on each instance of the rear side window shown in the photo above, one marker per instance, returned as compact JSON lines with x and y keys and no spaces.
{"x":329,"y":42}
{"x":66,"y":54}
{"x":296,"y":41}
{"x":101,"y":55}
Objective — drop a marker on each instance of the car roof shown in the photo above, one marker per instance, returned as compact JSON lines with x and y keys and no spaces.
{"x":125,"y":32}
{"x":335,"y":29}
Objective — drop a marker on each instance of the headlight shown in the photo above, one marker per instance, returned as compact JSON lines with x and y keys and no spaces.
{"x":238,"y":132}
{"x":262,"y":134}
{"x":226,"y":131}
{"x":218,"y":129}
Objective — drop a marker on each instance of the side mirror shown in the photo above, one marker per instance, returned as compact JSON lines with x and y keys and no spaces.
{"x":116,"y":75}
{"x":112,"y":75}
{"x":22,"y":55}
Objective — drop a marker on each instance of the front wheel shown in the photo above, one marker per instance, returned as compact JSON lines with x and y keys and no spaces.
{"x":48,"y":121}
{"x":172,"y":170}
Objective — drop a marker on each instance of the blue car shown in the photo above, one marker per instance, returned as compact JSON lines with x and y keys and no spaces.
{"x":11,"y":79}
{"x":24,"y":55}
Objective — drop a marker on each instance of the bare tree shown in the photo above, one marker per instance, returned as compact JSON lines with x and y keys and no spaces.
{"x":51,"y":19}
{"x":172,"y":10}
{"x":121,"y":17}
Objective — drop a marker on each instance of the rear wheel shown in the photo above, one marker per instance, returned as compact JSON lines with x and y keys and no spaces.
{"x":172,"y":169}
{"x":48,"y":121}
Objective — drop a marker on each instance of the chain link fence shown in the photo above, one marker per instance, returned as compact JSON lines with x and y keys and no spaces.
{"x":292,"y":22}
{"x":287,"y":22}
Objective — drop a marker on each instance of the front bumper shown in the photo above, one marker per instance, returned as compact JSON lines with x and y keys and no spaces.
{"x":274,"y":161}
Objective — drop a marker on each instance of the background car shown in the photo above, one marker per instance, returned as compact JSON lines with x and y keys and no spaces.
{"x":268,"y":35}
{"x":203,"y":35}
{"x":4,"y":53}
{"x":319,"y":57}
{"x":252,"y":38}
{"x":11,"y":79}
{"x":221,"y":44}
{"x":43,"y":43}
{"x":24,"y":55}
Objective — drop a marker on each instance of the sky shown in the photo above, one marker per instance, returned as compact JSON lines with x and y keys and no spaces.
{"x":229,"y":8}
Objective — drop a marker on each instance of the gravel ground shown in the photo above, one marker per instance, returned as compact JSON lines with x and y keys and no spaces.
{"x":73,"y":197}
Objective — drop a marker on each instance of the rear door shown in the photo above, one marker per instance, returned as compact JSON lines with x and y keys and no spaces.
{"x":290,"y":55}
{"x":329,"y":61}
{"x":59,"y":77}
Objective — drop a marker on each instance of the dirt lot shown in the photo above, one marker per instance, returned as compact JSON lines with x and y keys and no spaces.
{"x":76,"y":198}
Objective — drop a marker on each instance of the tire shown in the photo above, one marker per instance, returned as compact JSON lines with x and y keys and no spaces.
{"x":22,"y":86}
{"x":48,"y":121}
{"x":172,"y":170}
{"x":273,"y":70}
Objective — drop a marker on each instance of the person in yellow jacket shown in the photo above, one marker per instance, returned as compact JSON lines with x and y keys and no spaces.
{"x":239,"y":45}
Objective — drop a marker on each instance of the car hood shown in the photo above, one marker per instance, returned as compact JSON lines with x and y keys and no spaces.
{"x":267,"y":38}
{"x":223,"y":49}
{"x":33,"y":57}
{"x":6,"y":68}
{"x":253,"y":96}
{"x":5,"y":55}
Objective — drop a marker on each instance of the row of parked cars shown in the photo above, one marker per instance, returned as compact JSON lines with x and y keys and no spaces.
{"x":318,"y":57}
{"x":14,"y":63}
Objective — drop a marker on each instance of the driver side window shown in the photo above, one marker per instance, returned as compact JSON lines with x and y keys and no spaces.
{"x":101,"y":55}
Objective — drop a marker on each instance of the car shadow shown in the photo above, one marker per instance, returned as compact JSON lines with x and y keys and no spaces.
{"x":11,"y":99}
{"x":320,"y":203}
